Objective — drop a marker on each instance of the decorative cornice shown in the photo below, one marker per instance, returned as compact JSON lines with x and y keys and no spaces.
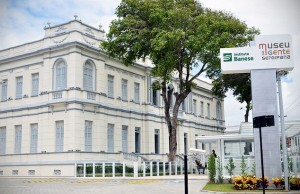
{"x":125,"y":72}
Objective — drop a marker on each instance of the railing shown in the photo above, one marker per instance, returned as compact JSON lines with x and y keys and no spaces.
{"x":135,"y":169}
{"x":91,"y":95}
{"x":57,"y":95}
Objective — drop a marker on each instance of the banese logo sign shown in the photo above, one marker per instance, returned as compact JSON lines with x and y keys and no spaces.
{"x":227,"y":57}
{"x":268,"y":52}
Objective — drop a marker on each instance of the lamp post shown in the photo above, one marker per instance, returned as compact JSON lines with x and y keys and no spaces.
{"x":281,"y":73}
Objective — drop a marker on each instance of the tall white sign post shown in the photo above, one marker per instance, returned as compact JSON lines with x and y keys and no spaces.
{"x":263,"y":59}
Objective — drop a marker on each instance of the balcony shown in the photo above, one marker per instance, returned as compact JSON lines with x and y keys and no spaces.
{"x":91,"y":95}
{"x":57,"y":95}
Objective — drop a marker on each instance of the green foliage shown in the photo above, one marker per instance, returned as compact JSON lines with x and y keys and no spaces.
{"x":177,"y":36}
{"x":218,"y":187}
{"x":211,"y":168}
{"x":230,"y":167}
{"x":156,"y":85}
{"x":253,"y":168}
{"x":220,"y":178}
{"x":244,"y":167}
{"x":240,"y":84}
{"x":245,"y":182}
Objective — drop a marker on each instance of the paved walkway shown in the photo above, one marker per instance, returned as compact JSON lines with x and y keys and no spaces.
{"x":147,"y":185}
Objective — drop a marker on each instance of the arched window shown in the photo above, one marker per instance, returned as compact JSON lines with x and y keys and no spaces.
{"x":219,"y":111}
{"x":88,"y":76}
{"x":60,"y":75}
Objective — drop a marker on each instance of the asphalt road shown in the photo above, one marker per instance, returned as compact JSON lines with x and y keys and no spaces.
{"x":101,"y":186}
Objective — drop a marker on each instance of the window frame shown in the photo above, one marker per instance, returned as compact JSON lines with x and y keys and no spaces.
{"x":35,"y":84}
{"x":88,"y":136}
{"x":19,"y":87}
{"x":89,"y":76}
{"x":33,"y":138}
{"x":60,"y":75}
{"x":4,"y":89}
{"x":110,"y":86}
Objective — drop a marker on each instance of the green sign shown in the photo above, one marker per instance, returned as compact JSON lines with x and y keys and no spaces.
{"x":227,"y":57}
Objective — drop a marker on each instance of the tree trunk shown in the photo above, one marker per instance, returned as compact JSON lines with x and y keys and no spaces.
{"x":172,"y":122}
{"x":173,"y":134}
{"x":247,"y":111}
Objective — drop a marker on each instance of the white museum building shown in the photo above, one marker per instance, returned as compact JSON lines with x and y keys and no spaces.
{"x":65,"y":104}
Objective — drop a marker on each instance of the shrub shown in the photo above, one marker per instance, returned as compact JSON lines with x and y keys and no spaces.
{"x":230,"y":167}
{"x":253,"y":168}
{"x":211,"y":168}
{"x":259,"y":182}
{"x":220,"y":178}
{"x":245,"y":182}
{"x":294,"y":183}
{"x":244,"y":167}
{"x":276,"y":181}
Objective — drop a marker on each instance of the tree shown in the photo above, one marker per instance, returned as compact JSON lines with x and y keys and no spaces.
{"x":244,"y":167}
{"x":177,"y":36}
{"x":230,"y":167}
{"x":220,"y":178}
{"x":240,"y":84}
{"x":212,"y":168}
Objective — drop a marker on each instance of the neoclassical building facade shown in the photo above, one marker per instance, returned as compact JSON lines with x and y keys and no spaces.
{"x":64,"y":102}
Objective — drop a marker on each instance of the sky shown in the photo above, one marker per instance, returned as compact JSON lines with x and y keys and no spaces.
{"x":22,"y":21}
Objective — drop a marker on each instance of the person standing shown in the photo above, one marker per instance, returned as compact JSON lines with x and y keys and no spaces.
{"x":214,"y":153}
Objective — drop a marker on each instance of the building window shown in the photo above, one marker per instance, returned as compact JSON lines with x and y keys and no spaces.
{"x":18,"y":139}
{"x":137,"y":139}
{"x":124,"y":89}
{"x":4,"y":90}
{"x":110,"y":138}
{"x":219,"y":111}
{"x":15,"y":172}
{"x":234,"y":148}
{"x":110,"y":86}
{"x":2,"y":140}
{"x":136,"y":92}
{"x":59,"y":144}
{"x":195,"y":107}
{"x":19,"y":87}
{"x":124,"y":138}
{"x":88,"y":76}
{"x":208,"y":110}
{"x":60,"y":75}
{"x":156,"y":141}
{"x":31,"y":172}
{"x":1,"y":172}
{"x":35,"y":84}
{"x":88,"y":136}
{"x":201,"y":108}
{"x":182,"y":105}
{"x":155,"y":99}
{"x":34,"y":138}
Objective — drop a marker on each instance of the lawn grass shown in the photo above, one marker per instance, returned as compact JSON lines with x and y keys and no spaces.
{"x":229,"y":188}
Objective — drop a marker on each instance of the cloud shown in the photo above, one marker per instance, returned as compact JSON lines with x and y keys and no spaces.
{"x":271,"y":17}
{"x":23,"y":21}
